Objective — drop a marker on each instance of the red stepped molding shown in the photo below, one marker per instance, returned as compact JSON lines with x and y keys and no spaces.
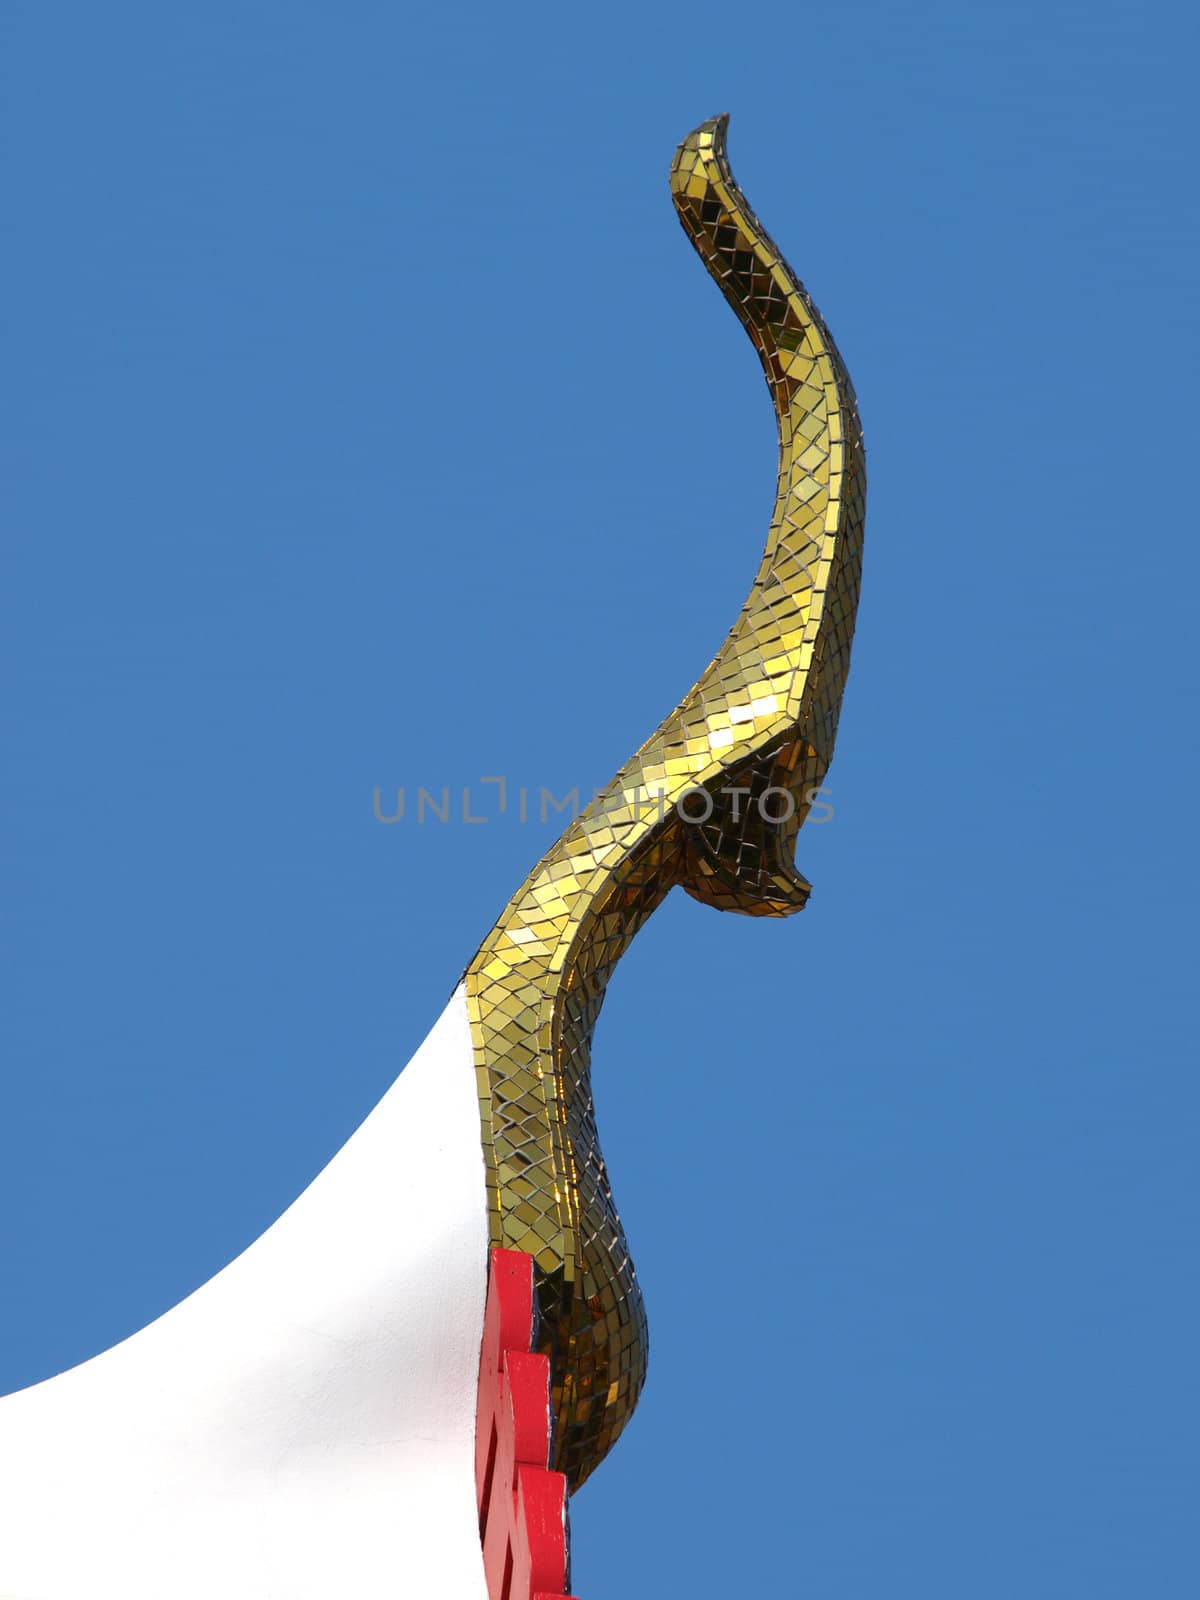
{"x":522,"y":1504}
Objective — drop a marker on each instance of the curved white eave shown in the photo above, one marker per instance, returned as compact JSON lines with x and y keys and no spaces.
{"x":301,"y":1426}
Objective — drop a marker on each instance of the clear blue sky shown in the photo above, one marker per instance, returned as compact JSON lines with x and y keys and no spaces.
{"x":320,"y":478}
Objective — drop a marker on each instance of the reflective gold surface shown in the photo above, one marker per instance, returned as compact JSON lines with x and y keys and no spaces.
{"x":754,"y":738}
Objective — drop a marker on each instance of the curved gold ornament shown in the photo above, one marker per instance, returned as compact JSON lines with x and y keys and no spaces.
{"x":751,"y":742}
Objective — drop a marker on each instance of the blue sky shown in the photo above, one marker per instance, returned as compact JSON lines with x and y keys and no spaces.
{"x":369,"y":422}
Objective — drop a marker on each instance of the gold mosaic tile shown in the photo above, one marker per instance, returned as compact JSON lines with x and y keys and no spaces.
{"x":711,"y":802}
